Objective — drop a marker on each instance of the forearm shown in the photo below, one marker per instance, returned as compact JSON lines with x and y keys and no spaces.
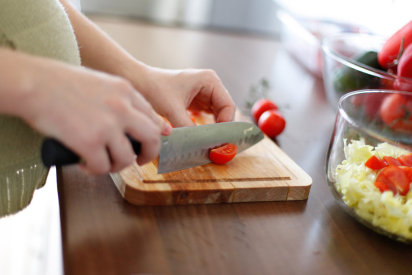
{"x":100,"y":52}
{"x":17,"y":81}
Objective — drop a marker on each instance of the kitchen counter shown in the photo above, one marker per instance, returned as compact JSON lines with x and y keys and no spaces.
{"x":103,"y":234}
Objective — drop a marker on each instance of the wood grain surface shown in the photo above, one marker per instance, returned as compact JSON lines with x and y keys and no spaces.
{"x":261,"y":173}
{"x":104,"y":234}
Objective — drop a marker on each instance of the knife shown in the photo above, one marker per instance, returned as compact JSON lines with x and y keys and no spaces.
{"x":184,"y":148}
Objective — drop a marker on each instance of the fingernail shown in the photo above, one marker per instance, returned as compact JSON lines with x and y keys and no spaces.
{"x":167,"y":129}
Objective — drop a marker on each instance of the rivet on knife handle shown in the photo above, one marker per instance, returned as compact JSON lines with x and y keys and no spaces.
{"x":55,"y":153}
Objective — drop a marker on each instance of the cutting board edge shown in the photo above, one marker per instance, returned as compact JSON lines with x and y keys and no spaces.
{"x":140,"y":196}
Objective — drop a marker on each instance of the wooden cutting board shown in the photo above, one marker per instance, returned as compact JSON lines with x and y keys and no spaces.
{"x":261,"y":173}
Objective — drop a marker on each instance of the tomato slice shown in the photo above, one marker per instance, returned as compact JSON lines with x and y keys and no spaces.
{"x":406,"y":160}
{"x":375,"y":164}
{"x":395,"y":178}
{"x":391,"y":161}
{"x":382,"y":186}
{"x":408,"y":171}
{"x":223,"y":154}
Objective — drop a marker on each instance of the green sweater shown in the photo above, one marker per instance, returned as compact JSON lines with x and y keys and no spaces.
{"x":42,"y":28}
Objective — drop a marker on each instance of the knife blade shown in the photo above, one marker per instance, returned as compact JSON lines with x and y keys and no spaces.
{"x":188,"y":147}
{"x":184,"y":148}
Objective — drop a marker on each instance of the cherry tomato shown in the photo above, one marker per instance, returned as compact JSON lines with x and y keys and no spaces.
{"x":272,"y":123}
{"x":194,"y":112}
{"x":395,"y":178}
{"x":396,"y":112}
{"x":404,"y":80}
{"x":262,"y":106}
{"x":406,"y":160}
{"x":388,"y":83}
{"x":375,"y":164}
{"x":372,"y":105}
{"x":223,"y":154}
{"x":390,"y":49}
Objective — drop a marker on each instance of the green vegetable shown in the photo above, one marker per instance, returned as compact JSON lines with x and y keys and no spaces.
{"x":348,"y":79}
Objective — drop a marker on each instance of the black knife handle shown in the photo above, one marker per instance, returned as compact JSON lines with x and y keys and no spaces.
{"x":55,"y":153}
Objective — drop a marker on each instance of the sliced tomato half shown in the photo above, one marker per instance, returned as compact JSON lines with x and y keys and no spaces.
{"x":391,"y":161}
{"x":375,"y":164}
{"x":406,"y":160}
{"x":383,"y":186}
{"x":395,"y":178}
{"x":223,"y":154}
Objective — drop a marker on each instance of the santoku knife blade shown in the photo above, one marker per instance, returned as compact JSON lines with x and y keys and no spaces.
{"x":189,"y":146}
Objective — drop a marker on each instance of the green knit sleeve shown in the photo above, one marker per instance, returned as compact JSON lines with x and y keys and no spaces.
{"x":42,"y":28}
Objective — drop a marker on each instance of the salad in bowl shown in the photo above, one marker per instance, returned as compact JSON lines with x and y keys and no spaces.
{"x":369,"y":163}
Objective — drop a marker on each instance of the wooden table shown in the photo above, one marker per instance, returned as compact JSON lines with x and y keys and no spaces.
{"x":103,"y":234}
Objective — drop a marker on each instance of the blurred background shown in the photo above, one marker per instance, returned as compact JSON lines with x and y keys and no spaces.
{"x":255,"y":16}
{"x":299,"y":24}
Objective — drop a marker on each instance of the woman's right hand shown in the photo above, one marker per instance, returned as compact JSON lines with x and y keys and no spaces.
{"x":90,"y":112}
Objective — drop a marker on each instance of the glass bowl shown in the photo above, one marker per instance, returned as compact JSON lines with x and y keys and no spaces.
{"x":350,"y":64}
{"x":361,"y":130}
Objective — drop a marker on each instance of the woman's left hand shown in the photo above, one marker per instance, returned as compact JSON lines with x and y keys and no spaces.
{"x":173,"y":92}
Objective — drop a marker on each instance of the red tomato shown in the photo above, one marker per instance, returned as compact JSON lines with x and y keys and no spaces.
{"x":272,"y":123}
{"x":194,"y":112}
{"x":388,"y":83}
{"x":406,"y":160}
{"x":372,"y":104}
{"x":395,"y":112}
{"x":391,"y":161}
{"x":375,"y":164}
{"x":262,"y":106}
{"x":390,"y":50}
{"x":223,"y":154}
{"x":408,"y":171}
{"x":383,"y":187}
{"x":405,"y":63}
{"x":404,"y":82}
{"x":395,"y":178}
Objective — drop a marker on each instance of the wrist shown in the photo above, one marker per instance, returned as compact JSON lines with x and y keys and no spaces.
{"x":140,"y":76}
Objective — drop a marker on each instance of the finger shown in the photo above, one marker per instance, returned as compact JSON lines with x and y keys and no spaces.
{"x":180,"y":118}
{"x":147,"y":133}
{"x":140,"y":103}
{"x":225,"y":114}
{"x":94,"y":157}
{"x":166,"y":127}
{"x":222,"y":104}
{"x":121,"y":152}
{"x":97,"y":162}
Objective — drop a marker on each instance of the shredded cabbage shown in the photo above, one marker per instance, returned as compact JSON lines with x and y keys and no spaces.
{"x":355,"y":182}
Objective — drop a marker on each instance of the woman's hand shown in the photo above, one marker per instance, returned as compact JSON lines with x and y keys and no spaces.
{"x":173,"y":92}
{"x":88,"y":111}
